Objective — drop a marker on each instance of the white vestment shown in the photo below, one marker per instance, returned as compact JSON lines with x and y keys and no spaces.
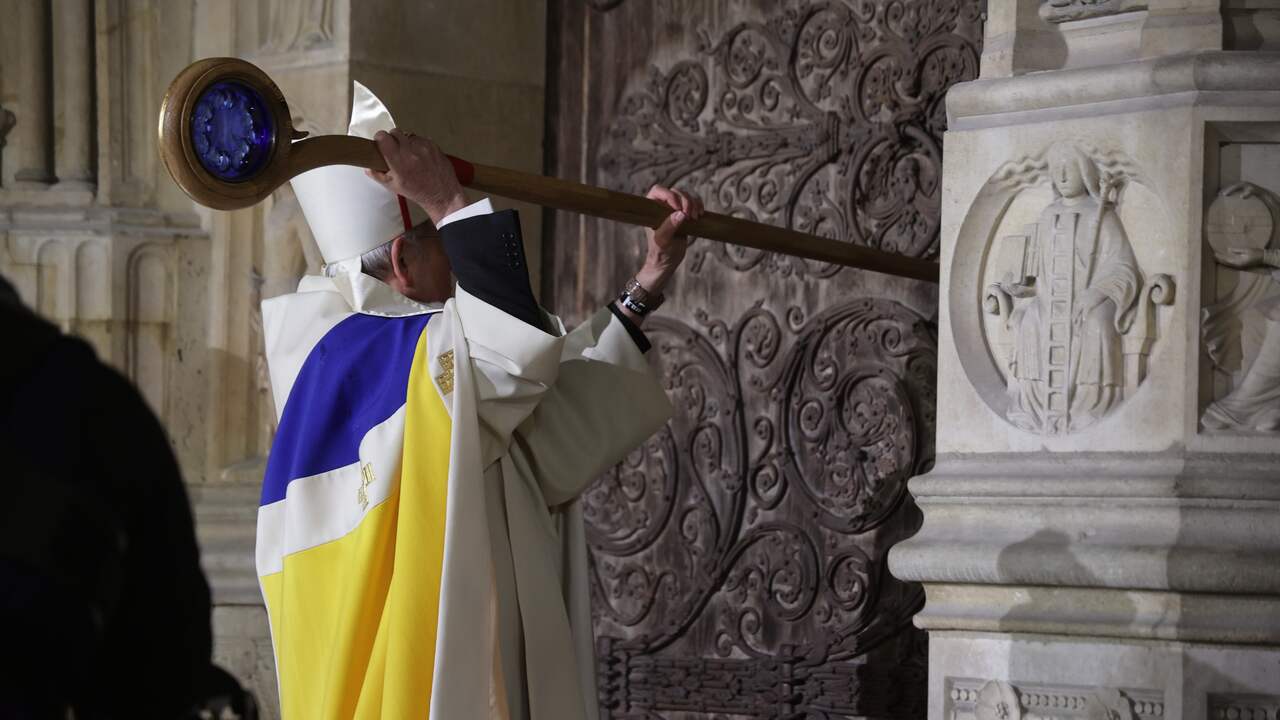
{"x":535,"y":418}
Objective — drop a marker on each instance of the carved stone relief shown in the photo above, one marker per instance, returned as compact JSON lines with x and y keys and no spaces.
{"x":1072,"y":312}
{"x":1241,"y":327}
{"x":1240,"y":706}
{"x":1060,"y":11}
{"x":299,"y":25}
{"x":971,"y":699}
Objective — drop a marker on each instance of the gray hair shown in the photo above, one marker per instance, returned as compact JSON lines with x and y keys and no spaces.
{"x":377,"y":262}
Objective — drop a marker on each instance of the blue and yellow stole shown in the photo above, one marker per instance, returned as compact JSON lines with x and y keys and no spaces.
{"x":352,"y":523}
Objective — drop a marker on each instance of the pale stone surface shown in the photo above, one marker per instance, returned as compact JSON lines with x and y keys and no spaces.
{"x":1125,"y":566}
{"x":1068,"y":678}
{"x":1024,"y":36}
{"x":73,"y":92}
{"x":1001,"y":205}
{"x":244,"y":647}
{"x":28,"y":158}
{"x":999,"y":185}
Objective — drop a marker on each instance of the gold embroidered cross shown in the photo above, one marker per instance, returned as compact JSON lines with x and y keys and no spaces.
{"x":362,"y":495}
{"x":445,"y":378}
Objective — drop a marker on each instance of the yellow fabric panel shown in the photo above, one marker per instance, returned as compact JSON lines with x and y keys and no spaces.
{"x":330,"y":610}
{"x":413,"y":604}
{"x":354,"y":620}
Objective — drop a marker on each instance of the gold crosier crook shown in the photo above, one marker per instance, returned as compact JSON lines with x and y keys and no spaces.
{"x":227,"y":139}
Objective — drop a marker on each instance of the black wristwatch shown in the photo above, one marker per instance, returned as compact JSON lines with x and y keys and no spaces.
{"x":638,"y":300}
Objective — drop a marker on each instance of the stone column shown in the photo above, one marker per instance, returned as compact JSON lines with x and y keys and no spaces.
{"x":30,"y":141}
{"x":73,"y":93}
{"x":1101,"y":533}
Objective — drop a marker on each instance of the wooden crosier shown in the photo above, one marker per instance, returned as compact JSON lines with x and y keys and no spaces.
{"x":227,"y":139}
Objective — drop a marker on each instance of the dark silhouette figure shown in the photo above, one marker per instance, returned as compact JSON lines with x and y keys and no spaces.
{"x":104,"y":611}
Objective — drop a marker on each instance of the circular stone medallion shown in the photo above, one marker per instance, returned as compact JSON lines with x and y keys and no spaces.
{"x":1235,"y":221}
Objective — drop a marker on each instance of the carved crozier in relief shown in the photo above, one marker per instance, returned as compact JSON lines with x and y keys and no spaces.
{"x":1075,"y":311}
{"x":1242,"y":330}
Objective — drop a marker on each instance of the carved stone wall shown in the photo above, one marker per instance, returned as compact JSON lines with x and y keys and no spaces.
{"x":86,"y":236}
{"x":997,"y":700}
{"x":1240,"y":320}
{"x":739,"y":556}
{"x":1098,"y":528}
{"x":1072,"y":306}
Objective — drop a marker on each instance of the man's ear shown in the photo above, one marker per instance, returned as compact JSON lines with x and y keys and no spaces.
{"x":399,"y":263}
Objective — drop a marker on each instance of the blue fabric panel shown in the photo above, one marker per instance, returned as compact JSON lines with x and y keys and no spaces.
{"x":356,"y":377}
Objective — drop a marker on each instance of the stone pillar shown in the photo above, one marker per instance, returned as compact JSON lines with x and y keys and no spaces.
{"x":30,"y":141}
{"x":1101,"y":533}
{"x":73,"y":93}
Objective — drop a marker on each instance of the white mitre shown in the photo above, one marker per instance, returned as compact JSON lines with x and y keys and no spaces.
{"x":349,"y":213}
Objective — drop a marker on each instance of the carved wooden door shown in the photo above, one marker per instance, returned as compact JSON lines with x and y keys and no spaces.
{"x":739,"y":557}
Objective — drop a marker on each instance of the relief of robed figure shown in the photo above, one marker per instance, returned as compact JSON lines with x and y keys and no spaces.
{"x":1242,"y":330}
{"x":1066,"y":369}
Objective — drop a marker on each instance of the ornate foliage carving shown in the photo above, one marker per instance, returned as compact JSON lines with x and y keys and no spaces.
{"x":739,"y":557}
{"x":755,"y":527}
{"x":827,"y":118}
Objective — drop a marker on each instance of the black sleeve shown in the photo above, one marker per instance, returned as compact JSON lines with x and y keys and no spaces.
{"x":633,"y":330}
{"x":487,"y":255}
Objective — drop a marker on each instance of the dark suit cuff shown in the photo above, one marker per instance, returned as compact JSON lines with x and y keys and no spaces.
{"x":635,"y":332}
{"x":487,"y":256}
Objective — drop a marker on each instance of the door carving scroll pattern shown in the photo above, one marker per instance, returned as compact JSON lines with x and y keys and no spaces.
{"x":751,"y":533}
{"x":738,"y":558}
{"x":826,"y":118}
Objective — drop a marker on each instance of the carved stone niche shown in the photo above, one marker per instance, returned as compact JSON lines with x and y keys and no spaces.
{"x":1062,"y":317}
{"x":1240,"y":323}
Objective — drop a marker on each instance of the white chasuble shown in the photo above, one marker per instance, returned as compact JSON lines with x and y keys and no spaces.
{"x":418,"y":547}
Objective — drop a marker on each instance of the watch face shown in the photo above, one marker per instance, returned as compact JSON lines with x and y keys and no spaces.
{"x":634,"y":305}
